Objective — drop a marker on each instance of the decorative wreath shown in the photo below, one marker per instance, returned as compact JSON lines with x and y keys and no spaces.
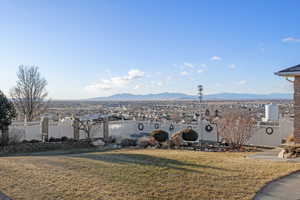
{"x":141,"y":126}
{"x":269,"y":130}
{"x":171,"y":128}
{"x":209,"y":128}
{"x":156,"y":125}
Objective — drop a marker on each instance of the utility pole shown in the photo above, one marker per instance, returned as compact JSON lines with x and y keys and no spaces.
{"x":200,"y":93}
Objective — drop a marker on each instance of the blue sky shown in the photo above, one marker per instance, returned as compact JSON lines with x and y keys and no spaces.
{"x":102,"y":47}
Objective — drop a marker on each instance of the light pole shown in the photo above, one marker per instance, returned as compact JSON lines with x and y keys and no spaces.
{"x":200,"y":93}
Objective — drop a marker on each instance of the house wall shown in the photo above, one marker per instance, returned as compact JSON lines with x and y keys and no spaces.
{"x":297,"y":109}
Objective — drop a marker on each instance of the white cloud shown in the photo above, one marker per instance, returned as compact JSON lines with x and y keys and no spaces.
{"x":135,"y":73}
{"x":99,"y":86}
{"x":160,"y":83}
{"x":184,"y":73}
{"x":137,"y":87}
{"x":216,"y":58}
{"x":290,"y":39}
{"x":232,"y":66}
{"x":200,"y":70}
{"x":189,"y":65}
{"x":242,"y":82}
{"x":117,"y":81}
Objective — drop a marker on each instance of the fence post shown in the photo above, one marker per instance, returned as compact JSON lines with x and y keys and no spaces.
{"x":76,"y":128}
{"x":45,"y":128}
{"x":105,"y":130}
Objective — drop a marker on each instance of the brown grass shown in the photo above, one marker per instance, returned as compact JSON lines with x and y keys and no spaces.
{"x":137,"y":175}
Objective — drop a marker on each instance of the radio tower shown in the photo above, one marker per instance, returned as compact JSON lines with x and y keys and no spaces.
{"x":200,"y":93}
{"x":200,"y":90}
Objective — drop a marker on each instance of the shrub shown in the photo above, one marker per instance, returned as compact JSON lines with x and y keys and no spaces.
{"x":37,"y":146}
{"x":34,"y":141}
{"x":236,"y":127}
{"x":143,"y":142}
{"x":128,"y":142}
{"x":111,"y":140}
{"x":53,"y":139}
{"x":176,"y":140}
{"x":189,"y":134}
{"x":7,"y":113}
{"x":160,"y":135}
{"x":290,"y":139}
{"x":14,"y":139}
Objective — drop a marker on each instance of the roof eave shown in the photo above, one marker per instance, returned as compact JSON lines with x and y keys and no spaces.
{"x":288,"y":74}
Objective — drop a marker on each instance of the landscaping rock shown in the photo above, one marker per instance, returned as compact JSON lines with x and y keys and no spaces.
{"x":289,"y":155}
{"x":289,"y":151}
{"x":281,"y":153}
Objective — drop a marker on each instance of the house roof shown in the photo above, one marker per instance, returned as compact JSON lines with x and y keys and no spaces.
{"x":291,"y":71}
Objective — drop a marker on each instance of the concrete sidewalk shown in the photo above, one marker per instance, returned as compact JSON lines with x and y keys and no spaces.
{"x":272,"y":155}
{"x":4,"y":197}
{"x":285,"y":188}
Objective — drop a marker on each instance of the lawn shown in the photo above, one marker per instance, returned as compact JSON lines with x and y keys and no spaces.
{"x":137,"y":175}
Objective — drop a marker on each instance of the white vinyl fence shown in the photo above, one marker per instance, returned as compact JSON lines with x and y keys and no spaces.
{"x":123,"y":129}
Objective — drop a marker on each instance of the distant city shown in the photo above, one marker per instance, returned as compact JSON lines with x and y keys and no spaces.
{"x":182,"y":96}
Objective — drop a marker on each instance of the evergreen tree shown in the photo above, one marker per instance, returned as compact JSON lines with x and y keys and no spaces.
{"x":7,"y":113}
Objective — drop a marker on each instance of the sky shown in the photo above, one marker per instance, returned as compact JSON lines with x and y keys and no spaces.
{"x":102,"y":47}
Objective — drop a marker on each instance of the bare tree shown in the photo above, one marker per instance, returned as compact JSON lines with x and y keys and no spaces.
{"x":29,"y":95}
{"x":86,"y":126}
{"x":236,"y":127}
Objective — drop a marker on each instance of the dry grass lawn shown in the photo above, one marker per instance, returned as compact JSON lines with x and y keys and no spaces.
{"x":137,"y":175}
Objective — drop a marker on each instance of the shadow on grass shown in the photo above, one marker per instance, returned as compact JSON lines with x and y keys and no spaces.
{"x":60,"y":152}
{"x":123,"y":158}
{"x":146,"y":160}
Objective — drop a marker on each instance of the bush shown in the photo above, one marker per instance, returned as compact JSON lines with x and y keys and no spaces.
{"x":37,"y":146}
{"x":176,"y":140}
{"x":290,"y":139}
{"x":160,"y":135}
{"x":111,"y":140}
{"x":34,"y":141}
{"x":14,"y":138}
{"x":64,"y":139}
{"x":236,"y":127}
{"x":128,"y":142}
{"x":189,"y":134}
{"x":143,"y":142}
{"x":53,"y":139}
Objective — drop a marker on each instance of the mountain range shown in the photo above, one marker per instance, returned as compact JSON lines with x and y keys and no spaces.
{"x":182,"y":96}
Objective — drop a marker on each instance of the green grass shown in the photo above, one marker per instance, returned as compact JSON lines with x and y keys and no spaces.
{"x":137,"y":174}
